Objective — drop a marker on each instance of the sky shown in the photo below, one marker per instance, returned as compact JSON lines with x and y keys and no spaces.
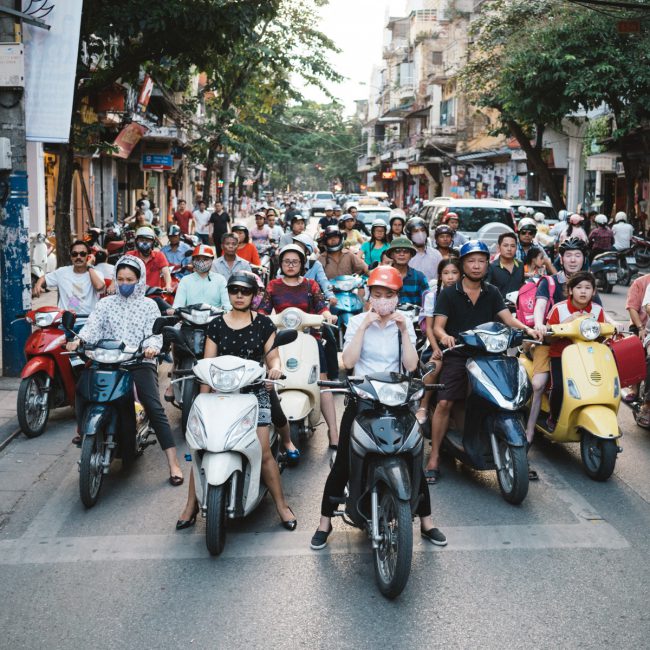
{"x":357,"y":28}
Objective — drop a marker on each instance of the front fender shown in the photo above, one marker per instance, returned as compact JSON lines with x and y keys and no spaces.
{"x":296,"y":405}
{"x":509,"y":427}
{"x":393,"y":473}
{"x":38,"y":364}
{"x":94,"y":417}
{"x":600,"y":421}
{"x":218,"y":468}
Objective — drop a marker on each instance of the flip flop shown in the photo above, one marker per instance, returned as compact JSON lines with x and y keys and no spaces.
{"x":176,"y":480}
{"x":169,"y":398}
{"x":630,"y":397}
{"x":421,"y":420}
{"x":432,"y":476}
{"x":532,"y":475}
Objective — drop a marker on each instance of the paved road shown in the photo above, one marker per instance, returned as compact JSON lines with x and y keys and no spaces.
{"x":568,"y":568}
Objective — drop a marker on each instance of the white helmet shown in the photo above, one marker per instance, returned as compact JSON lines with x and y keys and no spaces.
{"x":539,"y":217}
{"x":620,"y":216}
{"x":522,"y":210}
{"x":562,"y":215}
{"x":145,"y":231}
{"x":527,"y":222}
{"x":600,"y":219}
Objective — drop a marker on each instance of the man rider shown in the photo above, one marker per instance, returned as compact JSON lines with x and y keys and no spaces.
{"x":176,"y":250}
{"x":623,"y":232}
{"x":601,"y":238}
{"x":358,"y":224}
{"x":426,"y":258}
{"x":297,"y":227}
{"x":443,"y":236}
{"x":329,"y":219}
{"x":506,"y":273}
{"x":230,"y":262}
{"x":471,"y":302}
{"x":336,"y":260}
{"x":414,"y":283}
{"x":155,"y":262}
{"x":527,"y":232}
{"x":452,"y":220}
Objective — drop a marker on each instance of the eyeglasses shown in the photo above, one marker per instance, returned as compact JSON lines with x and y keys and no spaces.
{"x":291,"y":262}
{"x":235,"y":291}
{"x":78,"y":254}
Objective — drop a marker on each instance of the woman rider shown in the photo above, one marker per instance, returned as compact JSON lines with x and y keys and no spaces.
{"x":371,"y":346}
{"x":396,"y":224}
{"x":248,"y":335}
{"x":373,"y":249}
{"x":129,"y":317}
{"x":245,"y":249}
{"x":293,"y":290}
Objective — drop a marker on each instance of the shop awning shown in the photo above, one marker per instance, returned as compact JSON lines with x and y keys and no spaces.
{"x":484,"y":155}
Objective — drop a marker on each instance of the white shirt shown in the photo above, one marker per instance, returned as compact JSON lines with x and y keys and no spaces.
{"x":201,"y":221}
{"x":379,"y":351}
{"x":622,"y":235}
{"x":106,"y":269}
{"x":76,"y":291}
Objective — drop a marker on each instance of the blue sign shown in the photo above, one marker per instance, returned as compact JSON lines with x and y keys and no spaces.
{"x":157,"y":161}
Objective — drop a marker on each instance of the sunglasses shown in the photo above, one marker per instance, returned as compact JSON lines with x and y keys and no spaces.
{"x":78,"y":254}
{"x":235,"y":291}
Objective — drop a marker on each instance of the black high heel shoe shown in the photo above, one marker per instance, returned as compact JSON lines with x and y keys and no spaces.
{"x":292,"y":524}
{"x":181,"y":524}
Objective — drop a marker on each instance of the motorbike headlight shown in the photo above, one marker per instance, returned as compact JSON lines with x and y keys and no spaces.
{"x":391,"y":394}
{"x":494,"y":343}
{"x":345,"y":285}
{"x":590,"y":329}
{"x":195,"y":431}
{"x":291,"y":319}
{"x":238,"y":430}
{"x":101,"y":355}
{"x":198,"y":316}
{"x":226,"y":381}
{"x":418,"y":395}
{"x":313,"y":375}
{"x":45,"y":319}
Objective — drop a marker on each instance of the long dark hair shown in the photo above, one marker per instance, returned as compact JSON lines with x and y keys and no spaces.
{"x":450,"y":261}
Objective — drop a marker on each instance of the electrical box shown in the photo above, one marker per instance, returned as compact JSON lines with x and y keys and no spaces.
{"x":12,"y":65}
{"x":5,"y":154}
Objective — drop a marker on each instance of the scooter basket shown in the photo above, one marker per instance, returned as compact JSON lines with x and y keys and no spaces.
{"x":629,"y":356}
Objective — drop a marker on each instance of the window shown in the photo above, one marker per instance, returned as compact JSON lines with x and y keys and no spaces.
{"x":436,"y":58}
{"x":448,"y":112}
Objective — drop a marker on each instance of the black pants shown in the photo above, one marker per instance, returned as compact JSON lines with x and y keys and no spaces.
{"x":331,"y":353}
{"x":145,"y":378}
{"x":557,"y":387}
{"x":278,"y":417}
{"x":338,"y":476}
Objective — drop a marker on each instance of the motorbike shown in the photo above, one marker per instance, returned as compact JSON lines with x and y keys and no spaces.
{"x":299,"y":393}
{"x":592,"y":394}
{"x":605,"y":268}
{"x":641,"y":248}
{"x":194,"y":320}
{"x":222,"y":435}
{"x":111,"y":240}
{"x":43,"y":259}
{"x":49,"y":376}
{"x":486,"y":431}
{"x":412,"y":312}
{"x":386,"y":449}
{"x":104,"y":384}
{"x":348,"y":303}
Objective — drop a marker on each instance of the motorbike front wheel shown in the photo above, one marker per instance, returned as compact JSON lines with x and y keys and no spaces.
{"x":33,"y":405}
{"x":598,"y":456}
{"x":513,"y":475}
{"x":190,"y":391}
{"x":91,"y":469}
{"x":393,"y":557}
{"x":215,"y":521}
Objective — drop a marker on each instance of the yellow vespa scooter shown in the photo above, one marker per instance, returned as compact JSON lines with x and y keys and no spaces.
{"x":592,"y":394}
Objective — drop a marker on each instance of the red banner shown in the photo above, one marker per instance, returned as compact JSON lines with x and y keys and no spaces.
{"x":145,"y":94}
{"x":128,"y":138}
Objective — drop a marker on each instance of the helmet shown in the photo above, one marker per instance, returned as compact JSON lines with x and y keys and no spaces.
{"x":620,"y":216}
{"x":398,"y":212}
{"x":562,"y":215}
{"x":385,"y":276}
{"x":539,"y":217}
{"x":395,"y":215}
{"x":260,"y":213}
{"x":174,"y":231}
{"x":332,"y":231}
{"x":347,"y":217}
{"x":328,"y":208}
{"x":415,"y":222}
{"x":401,"y":242}
{"x":522,"y":210}
{"x":297,"y":217}
{"x":241,"y":227}
{"x":203,"y":250}
{"x":576,"y":219}
{"x":527,"y":224}
{"x":474,"y":247}
{"x":146,"y":232}
{"x":573,"y":244}
{"x":600,"y":219}
{"x":306,"y":241}
{"x":270,"y":209}
{"x":243,"y":280}
{"x":450,"y":215}
{"x":443,"y":229}
{"x":292,"y":248}
{"x":337,"y":208}
{"x":378,"y":223}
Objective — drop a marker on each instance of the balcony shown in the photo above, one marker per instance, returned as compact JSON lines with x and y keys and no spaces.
{"x":367,"y":163}
{"x":438,"y":136}
{"x":405,"y":91}
{"x":397,"y":46}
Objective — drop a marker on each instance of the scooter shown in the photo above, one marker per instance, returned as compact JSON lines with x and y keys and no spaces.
{"x":592,"y":394}
{"x":105,"y":384}
{"x":43,"y":259}
{"x":487,"y":431}
{"x":348,"y":303}
{"x":641,"y":248}
{"x":49,"y":377}
{"x":299,"y":393}
{"x":386,"y":450}
{"x":605,"y":268}
{"x":222,"y":434}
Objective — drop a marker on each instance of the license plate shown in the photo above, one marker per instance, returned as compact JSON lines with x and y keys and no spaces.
{"x":630,"y":260}
{"x":612,"y":277}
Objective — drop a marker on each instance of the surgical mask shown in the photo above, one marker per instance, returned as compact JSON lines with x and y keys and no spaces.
{"x":384,"y":306}
{"x":144,"y":246}
{"x":419,"y":238}
{"x":202,"y":266}
{"x":126,"y":289}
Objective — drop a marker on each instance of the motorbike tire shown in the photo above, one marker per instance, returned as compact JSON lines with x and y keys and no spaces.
{"x":607,"y":287}
{"x":215,"y":520}
{"x":642,"y":259}
{"x":598,"y":456}
{"x":393,"y":557}
{"x":32,"y":427}
{"x":626,"y":278}
{"x":513,"y":475}
{"x":91,"y":474}
{"x":295,"y":429}
{"x":190,"y":391}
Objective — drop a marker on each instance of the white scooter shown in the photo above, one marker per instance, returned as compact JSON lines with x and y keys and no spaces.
{"x":222,"y":434}
{"x":300,"y":393}
{"x":43,"y":259}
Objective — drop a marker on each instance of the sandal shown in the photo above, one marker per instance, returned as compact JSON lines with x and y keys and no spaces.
{"x":432,"y":476}
{"x":176,"y":480}
{"x":630,"y":397}
{"x":532,"y":475}
{"x":643,"y":418}
{"x":420,"y":419}
{"x":169,"y":398}
{"x":76,"y":441}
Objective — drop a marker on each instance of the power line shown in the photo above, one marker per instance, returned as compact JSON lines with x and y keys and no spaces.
{"x":617,"y":4}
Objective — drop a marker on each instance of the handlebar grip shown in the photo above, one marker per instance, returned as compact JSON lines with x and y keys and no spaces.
{"x":331,"y":384}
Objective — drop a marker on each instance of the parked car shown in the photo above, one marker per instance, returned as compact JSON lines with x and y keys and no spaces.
{"x":370,"y":209}
{"x":320,"y":201}
{"x":538,"y":206}
{"x":482,"y":219}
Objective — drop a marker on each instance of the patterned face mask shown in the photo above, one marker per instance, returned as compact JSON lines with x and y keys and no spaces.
{"x":202,"y":266}
{"x":384,"y":306}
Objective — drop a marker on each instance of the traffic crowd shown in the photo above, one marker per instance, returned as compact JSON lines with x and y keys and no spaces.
{"x":537,"y":277}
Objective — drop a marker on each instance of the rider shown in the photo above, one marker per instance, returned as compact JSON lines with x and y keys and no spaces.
{"x":297,"y":227}
{"x":175,"y":251}
{"x":470,"y":302}
{"x":294,"y":290}
{"x":230,"y":262}
{"x":506,"y":273}
{"x":443,"y":235}
{"x":574,"y":229}
{"x":527,"y":232}
{"x":245,"y":249}
{"x":249,"y":335}
{"x":377,"y":244}
{"x":426,"y":258}
{"x":413,"y":282}
{"x":128,"y":316}
{"x":154,"y":261}
{"x":358,"y":224}
{"x":372,"y":345}
{"x":352,"y":236}
{"x":276,"y":229}
{"x":261,"y":233}
{"x":623,"y":232}
{"x":336,"y":260}
{"x":313,"y":268}
{"x":396,"y":223}
{"x":329,"y":219}
{"x":601,"y":238}
{"x":452,"y":220}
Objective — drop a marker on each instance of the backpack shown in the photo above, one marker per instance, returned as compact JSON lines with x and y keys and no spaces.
{"x":526,"y":301}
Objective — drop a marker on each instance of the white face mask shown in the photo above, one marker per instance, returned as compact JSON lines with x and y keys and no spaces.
{"x":384,"y":306}
{"x":419,"y":238}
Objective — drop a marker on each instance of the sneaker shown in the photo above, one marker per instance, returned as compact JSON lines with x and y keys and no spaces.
{"x":319,"y":540}
{"x":434,"y":535}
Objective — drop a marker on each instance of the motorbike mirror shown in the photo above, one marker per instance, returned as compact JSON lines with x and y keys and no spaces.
{"x":161,"y":322}
{"x":188,"y":253}
{"x":429,"y":368}
{"x":67,"y":320}
{"x":172,"y":334}
{"x":284,"y":338}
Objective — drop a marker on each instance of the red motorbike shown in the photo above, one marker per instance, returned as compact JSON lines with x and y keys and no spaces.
{"x":48,"y":379}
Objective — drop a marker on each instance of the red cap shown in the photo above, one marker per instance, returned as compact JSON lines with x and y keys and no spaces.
{"x":202,"y":249}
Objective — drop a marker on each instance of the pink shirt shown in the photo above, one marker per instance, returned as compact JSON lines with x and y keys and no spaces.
{"x":635,"y":296}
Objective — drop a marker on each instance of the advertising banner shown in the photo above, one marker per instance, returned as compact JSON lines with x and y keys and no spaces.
{"x":128,"y":138}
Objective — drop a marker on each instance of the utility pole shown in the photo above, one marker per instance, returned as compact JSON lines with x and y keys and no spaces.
{"x":15,"y":292}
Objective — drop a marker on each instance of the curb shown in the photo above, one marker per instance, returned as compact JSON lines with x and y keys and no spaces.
{"x":12,"y":436}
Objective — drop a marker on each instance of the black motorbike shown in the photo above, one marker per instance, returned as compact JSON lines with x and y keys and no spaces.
{"x":605,"y":268}
{"x":385,"y":468}
{"x":486,"y":431}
